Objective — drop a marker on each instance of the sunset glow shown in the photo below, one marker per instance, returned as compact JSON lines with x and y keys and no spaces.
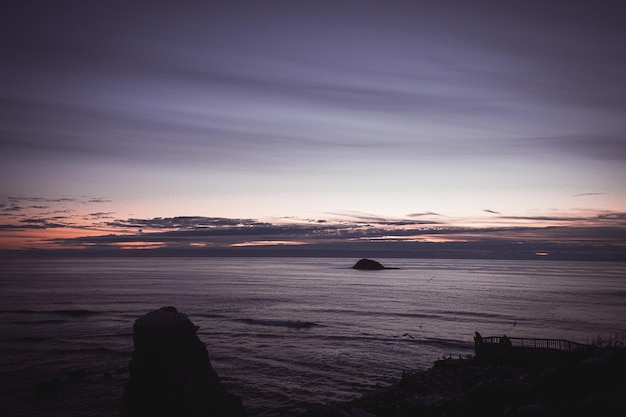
{"x":353,"y":126}
{"x":268,"y":243}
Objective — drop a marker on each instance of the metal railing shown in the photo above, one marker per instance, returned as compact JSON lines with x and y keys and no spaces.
{"x":530,"y":343}
{"x":552,"y":344}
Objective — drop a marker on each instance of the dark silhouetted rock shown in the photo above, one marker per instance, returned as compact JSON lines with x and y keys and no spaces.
{"x":49,"y":387}
{"x":368,"y":264}
{"x":170,"y":371}
{"x":76,"y":376}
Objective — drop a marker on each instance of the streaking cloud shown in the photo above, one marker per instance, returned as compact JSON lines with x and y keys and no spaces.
{"x":599,"y":234}
{"x":501,"y":119}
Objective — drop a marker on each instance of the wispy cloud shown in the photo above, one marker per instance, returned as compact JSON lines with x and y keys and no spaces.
{"x":356,"y":217}
{"x":41,"y":200}
{"x":5,"y":208}
{"x":14,"y":203}
{"x":54,"y":218}
{"x":184,"y":223}
{"x":351,"y":232}
{"x":102,"y":215}
{"x":271,"y":109}
{"x":43,"y":213}
{"x":424,"y":214}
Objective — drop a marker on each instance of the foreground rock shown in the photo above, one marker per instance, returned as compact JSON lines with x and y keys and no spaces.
{"x":170,"y":371}
{"x":468,"y":387}
{"x":368,"y":265}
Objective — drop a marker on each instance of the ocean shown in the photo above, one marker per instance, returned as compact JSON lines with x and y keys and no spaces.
{"x":284,"y":334}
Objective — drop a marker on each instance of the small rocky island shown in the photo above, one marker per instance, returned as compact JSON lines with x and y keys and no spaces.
{"x":170,"y":371}
{"x":368,"y":265}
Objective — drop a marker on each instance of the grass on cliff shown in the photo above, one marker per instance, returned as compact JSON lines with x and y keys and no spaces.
{"x":614,"y":342}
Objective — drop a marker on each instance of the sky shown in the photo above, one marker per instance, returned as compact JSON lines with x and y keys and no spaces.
{"x":298,"y":125}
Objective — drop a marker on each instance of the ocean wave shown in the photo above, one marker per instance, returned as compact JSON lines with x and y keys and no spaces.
{"x":66,"y":313}
{"x":76,"y":313}
{"x":29,"y":339}
{"x":79,"y":350}
{"x":294,"y":324}
{"x":248,"y":335}
{"x":448,"y":343}
{"x":37,"y":322}
{"x":374,"y":313}
{"x":405,"y":338}
{"x":211,"y":316}
{"x":472,"y":314}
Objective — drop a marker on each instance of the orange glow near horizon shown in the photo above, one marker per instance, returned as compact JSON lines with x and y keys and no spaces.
{"x":268,"y":243}
{"x":139,"y":245}
{"x":43,"y":238}
{"x":199,"y":245}
{"x":434,"y":238}
{"x":68,"y":226}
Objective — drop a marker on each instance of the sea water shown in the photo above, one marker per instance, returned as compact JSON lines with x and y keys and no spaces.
{"x":284,"y":334}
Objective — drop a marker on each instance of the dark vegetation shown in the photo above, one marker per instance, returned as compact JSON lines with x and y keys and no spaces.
{"x":589,"y":383}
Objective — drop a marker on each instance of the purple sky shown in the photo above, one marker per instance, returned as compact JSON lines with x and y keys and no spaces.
{"x":452,"y":116}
